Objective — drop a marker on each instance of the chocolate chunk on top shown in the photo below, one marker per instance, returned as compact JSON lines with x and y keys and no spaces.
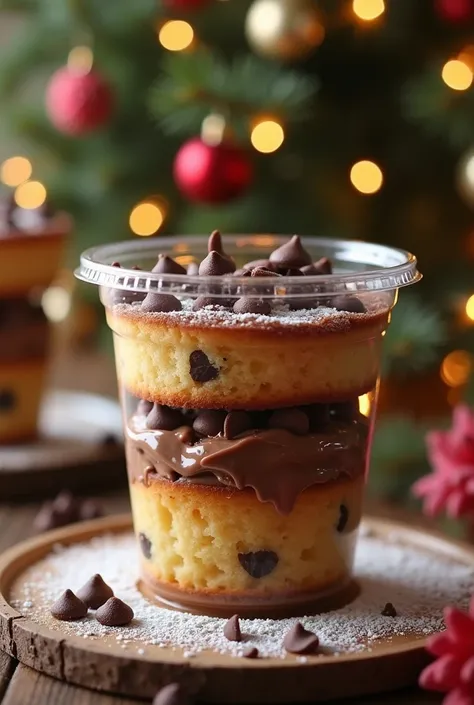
{"x":351,"y":304}
{"x":389,"y":610}
{"x":246,"y":304}
{"x":167,"y":265}
{"x":291,"y":254}
{"x":145,"y":544}
{"x":232,"y":629}
{"x":258,"y":564}
{"x":201,"y":368}
{"x":114,"y":613}
{"x":292,"y":420}
{"x":216,"y":265}
{"x":95,"y":592}
{"x":322,"y":266}
{"x":160,"y":303}
{"x":69,"y":608}
{"x":300,"y":640}
{"x":263,"y":272}
{"x":236,"y":422}
{"x":164,"y":418}
{"x":209,"y":422}
{"x":203,"y":301}
{"x":250,"y":652}
{"x":172,"y":694}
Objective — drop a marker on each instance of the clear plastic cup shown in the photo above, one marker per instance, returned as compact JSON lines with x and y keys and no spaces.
{"x":249,"y":404}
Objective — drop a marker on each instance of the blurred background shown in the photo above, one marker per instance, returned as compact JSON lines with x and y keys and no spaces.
{"x":343,"y":118}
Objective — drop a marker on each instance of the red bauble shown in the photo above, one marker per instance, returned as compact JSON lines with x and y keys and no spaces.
{"x":455,"y":10}
{"x":78,"y":103}
{"x":212,"y":173}
{"x":185,"y":5}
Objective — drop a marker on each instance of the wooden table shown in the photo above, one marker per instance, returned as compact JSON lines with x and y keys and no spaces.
{"x":19,"y":685}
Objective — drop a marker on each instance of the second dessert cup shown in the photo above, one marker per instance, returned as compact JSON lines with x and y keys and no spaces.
{"x":248,"y":372}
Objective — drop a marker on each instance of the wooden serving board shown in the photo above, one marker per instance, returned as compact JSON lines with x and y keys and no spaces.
{"x":75,"y":449}
{"x":215,"y":678}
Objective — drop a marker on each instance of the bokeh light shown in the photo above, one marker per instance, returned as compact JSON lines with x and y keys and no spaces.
{"x":456,"y":368}
{"x":15,"y":171}
{"x":457,"y":75}
{"x":365,"y":404}
{"x":56,"y":303}
{"x":368,"y":10}
{"x":176,"y":35}
{"x":80,"y":59}
{"x":146,"y":218}
{"x":470,"y":307}
{"x":30,"y":194}
{"x":267,"y":136}
{"x":366,"y":176}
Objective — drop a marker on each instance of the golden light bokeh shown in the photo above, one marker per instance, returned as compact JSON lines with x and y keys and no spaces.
{"x":267,"y":136}
{"x":15,"y":171}
{"x":456,"y":368}
{"x":176,"y":35}
{"x":80,"y":59}
{"x":365,"y":404}
{"x":146,"y":218}
{"x":366,"y":176}
{"x":368,"y":10}
{"x":457,"y":75}
{"x":470,"y":307}
{"x":56,"y":303}
{"x":30,"y":194}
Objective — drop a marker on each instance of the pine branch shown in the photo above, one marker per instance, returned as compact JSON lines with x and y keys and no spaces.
{"x":195,"y":84}
{"x":413,"y":338}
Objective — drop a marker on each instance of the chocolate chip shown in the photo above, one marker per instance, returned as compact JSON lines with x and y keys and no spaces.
{"x":68,"y":608}
{"x":7,"y":400}
{"x":164,"y":418}
{"x":116,"y":264}
{"x":114,"y":613}
{"x":90,"y":509}
{"x":201,"y":368}
{"x":258,"y":564}
{"x":300,"y":640}
{"x":250,"y":652}
{"x":291,"y":254}
{"x":167,"y":265}
{"x":120,"y":296}
{"x":263,"y":272}
{"x":343,"y":518}
{"x":236,"y":422}
{"x":193,"y":269}
{"x":242,"y":272}
{"x":292,"y":420}
{"x":209,"y":422}
{"x":203,"y":301}
{"x":260,"y":263}
{"x":95,"y":592}
{"x":322,"y":266}
{"x":250,"y":305}
{"x":351,"y":304}
{"x":284,"y":271}
{"x":160,"y":303}
{"x":144,"y":407}
{"x":389,"y":610}
{"x":171,"y":694}
{"x":215,"y":265}
{"x":232,"y":629}
{"x":145,"y":544}
{"x":215,"y":242}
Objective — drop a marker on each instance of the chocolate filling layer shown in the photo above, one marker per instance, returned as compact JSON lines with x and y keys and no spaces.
{"x":276,"y":463}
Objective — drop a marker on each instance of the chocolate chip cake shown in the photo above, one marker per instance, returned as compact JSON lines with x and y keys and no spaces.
{"x":246,"y":449}
{"x":31,"y":244}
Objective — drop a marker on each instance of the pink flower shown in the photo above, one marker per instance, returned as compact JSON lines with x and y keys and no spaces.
{"x":451,"y":484}
{"x":453,"y":670}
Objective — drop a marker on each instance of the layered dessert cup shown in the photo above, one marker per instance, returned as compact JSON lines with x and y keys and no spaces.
{"x":248,"y":369}
{"x":31,"y":247}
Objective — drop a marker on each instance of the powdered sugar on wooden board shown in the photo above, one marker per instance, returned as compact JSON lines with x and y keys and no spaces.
{"x":418,"y":583}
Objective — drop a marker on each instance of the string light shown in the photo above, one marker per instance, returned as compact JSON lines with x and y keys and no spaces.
{"x":30,"y":194}
{"x":368,"y":10}
{"x":15,"y":171}
{"x":176,"y":35}
{"x":470,"y":307}
{"x":80,"y":59}
{"x":146,"y":218}
{"x":365,"y":404}
{"x":456,"y":368}
{"x":56,"y":303}
{"x":457,"y":75}
{"x":366,"y":176}
{"x":267,"y":136}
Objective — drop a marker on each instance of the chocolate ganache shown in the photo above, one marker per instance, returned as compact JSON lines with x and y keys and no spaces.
{"x":276,"y":463}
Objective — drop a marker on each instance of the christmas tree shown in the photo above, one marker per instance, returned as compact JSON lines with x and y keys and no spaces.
{"x":344,"y":118}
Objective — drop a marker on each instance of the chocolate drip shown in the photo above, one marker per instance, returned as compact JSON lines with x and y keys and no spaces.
{"x":277,"y":464}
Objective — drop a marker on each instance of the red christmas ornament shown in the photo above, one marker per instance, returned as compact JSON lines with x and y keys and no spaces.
{"x":453,"y":670}
{"x":77,"y":103}
{"x":185,"y":5}
{"x":455,"y":10}
{"x":450,"y":486}
{"x":212,"y":173}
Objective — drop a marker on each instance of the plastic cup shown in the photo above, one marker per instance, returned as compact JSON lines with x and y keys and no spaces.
{"x":249,"y":404}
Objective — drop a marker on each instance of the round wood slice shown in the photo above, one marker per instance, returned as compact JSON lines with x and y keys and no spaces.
{"x":102,"y":665}
{"x":79,"y":448}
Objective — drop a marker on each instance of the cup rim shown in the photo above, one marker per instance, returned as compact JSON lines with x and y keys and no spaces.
{"x":96,"y":263}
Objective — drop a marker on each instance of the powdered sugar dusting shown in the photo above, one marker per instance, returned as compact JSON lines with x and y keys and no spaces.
{"x":418,"y":583}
